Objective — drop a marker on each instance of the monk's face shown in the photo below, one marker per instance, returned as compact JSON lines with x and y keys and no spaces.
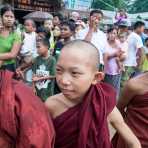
{"x":75,"y":73}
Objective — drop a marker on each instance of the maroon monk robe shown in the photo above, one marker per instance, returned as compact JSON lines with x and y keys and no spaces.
{"x":85,"y":125}
{"x":136,"y":117}
{"x":24,"y":120}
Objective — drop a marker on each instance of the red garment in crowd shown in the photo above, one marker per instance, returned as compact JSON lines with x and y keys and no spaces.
{"x":136,"y":118}
{"x":85,"y":125}
{"x":24,"y":121}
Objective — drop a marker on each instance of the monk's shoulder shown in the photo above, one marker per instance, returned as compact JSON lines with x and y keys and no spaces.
{"x":52,"y":103}
{"x":132,"y":85}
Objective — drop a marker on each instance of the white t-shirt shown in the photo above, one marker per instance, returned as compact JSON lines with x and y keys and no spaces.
{"x":124,"y":47}
{"x":29,"y":44}
{"x":134,"y":43}
{"x":29,"y":48}
{"x":99,"y":39}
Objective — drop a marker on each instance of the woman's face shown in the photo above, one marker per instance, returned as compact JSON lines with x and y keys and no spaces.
{"x":57,"y":31}
{"x":8,"y":19}
{"x":48,"y":25}
{"x":112,"y":35}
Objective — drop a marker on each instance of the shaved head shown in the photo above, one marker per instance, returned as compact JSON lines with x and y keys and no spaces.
{"x":83,"y":49}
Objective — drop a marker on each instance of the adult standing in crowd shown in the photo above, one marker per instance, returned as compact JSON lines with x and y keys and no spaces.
{"x":93,"y":34}
{"x":10,"y":41}
{"x":113,"y":59}
{"x":135,"y":48}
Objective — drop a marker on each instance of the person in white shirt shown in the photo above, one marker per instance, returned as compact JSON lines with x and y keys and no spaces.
{"x":93,"y":34}
{"x":28,"y":50}
{"x":135,"y":51}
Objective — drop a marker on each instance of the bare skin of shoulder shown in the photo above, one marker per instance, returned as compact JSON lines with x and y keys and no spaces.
{"x":135,"y":86}
{"x":58,"y":104}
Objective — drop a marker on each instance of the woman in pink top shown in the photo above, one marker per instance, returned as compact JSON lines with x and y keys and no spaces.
{"x":111,"y":55}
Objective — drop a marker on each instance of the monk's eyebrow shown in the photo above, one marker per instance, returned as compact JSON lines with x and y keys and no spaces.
{"x":74,"y":68}
{"x":59,"y":66}
{"x":71,"y":68}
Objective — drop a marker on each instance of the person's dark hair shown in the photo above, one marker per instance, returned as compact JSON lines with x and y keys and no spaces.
{"x":70,"y":24}
{"x":6,"y":8}
{"x":41,"y":29}
{"x":45,"y":42}
{"x":138,"y":24}
{"x":96,"y":11}
{"x":60,"y":16}
{"x":146,"y":39}
{"x":111,"y":29}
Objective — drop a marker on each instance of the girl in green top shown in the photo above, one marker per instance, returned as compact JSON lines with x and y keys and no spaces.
{"x":10,"y":41}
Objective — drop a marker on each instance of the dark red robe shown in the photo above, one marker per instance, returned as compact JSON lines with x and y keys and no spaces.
{"x":85,"y":125}
{"x":24,"y":120}
{"x":136,"y":117}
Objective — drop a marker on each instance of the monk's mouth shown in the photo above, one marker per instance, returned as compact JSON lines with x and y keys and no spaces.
{"x":65,"y":91}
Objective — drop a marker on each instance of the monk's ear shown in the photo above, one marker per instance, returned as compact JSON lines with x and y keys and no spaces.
{"x":99,"y":76}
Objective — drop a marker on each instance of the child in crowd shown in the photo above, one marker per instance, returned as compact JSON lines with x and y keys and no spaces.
{"x":123,"y":45}
{"x":120,"y":16}
{"x":67,"y":34}
{"x":48,"y":25}
{"x":57,"y":37}
{"x":28,"y":50}
{"x":82,"y":111}
{"x":43,"y":70}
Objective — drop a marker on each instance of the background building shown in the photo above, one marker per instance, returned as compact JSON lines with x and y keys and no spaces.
{"x":23,"y":7}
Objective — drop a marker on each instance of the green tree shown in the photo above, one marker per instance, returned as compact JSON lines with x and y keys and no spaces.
{"x":109,"y":4}
{"x":139,"y":6}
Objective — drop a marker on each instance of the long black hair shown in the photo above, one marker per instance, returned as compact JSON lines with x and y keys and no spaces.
{"x":6,"y":8}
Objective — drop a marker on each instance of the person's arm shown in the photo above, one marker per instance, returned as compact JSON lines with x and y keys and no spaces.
{"x":140,"y":54}
{"x":92,"y":28}
{"x":118,"y":123}
{"x":25,"y":66}
{"x":127,"y":94}
{"x":140,"y":51}
{"x":109,"y":56}
{"x":36,"y":78}
{"x":88,"y":36}
{"x":12,"y":54}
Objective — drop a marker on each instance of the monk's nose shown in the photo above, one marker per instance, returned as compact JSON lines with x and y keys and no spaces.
{"x":65,"y":80}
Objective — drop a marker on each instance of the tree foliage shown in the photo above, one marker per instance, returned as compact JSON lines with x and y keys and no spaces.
{"x":132,"y":6}
{"x":109,"y":4}
{"x":139,"y":6}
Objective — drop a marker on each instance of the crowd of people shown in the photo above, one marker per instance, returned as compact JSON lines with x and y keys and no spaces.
{"x":79,"y":73}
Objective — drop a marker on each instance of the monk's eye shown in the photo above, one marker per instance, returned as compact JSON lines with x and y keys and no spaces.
{"x":58,"y":70}
{"x":75,"y":74}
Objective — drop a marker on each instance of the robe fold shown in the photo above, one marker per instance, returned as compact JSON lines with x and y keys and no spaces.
{"x":24,"y":120}
{"x":136,"y":117}
{"x":85,"y":125}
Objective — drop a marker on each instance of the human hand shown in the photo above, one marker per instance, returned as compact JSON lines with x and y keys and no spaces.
{"x":19,"y":73}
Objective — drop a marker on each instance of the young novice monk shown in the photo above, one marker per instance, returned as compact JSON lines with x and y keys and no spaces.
{"x":81,"y":111}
